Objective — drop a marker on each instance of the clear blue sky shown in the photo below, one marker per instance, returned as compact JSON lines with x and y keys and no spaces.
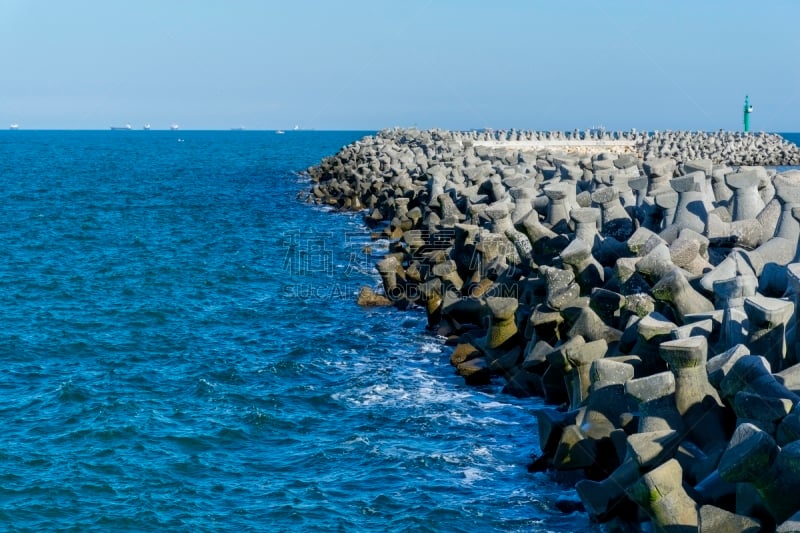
{"x":263,"y":64}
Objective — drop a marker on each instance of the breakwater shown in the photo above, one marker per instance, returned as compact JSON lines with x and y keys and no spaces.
{"x":648,"y":294}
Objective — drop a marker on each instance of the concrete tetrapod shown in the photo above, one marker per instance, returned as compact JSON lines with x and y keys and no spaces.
{"x":690,"y":212}
{"x":674,"y":288}
{"x":747,"y":203}
{"x":769,"y":319}
{"x":729,"y":296}
{"x":616,"y":223}
{"x":654,"y":396}
{"x":644,"y":452}
{"x":695,"y":399}
{"x":754,"y":457}
{"x":661,"y":495}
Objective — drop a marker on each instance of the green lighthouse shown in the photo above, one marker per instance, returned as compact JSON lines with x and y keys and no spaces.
{"x":747,"y":110}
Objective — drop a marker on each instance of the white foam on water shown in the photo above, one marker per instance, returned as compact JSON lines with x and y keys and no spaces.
{"x":380,"y":244}
{"x":432,"y":392}
{"x":471,"y":475}
{"x":380,"y":394}
{"x":431,"y":347}
{"x":448,"y":458}
{"x":482,"y":452}
{"x":455,"y":418}
{"x":498,"y":405}
{"x":358,"y":439}
{"x":361,"y":334}
{"x":205,"y":383}
{"x":488,"y":421}
{"x":413,"y":390}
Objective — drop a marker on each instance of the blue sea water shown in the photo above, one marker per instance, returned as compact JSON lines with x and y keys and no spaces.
{"x":182,"y":351}
{"x":791,"y":137}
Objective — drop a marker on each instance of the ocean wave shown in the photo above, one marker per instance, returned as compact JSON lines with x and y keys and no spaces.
{"x":70,"y":392}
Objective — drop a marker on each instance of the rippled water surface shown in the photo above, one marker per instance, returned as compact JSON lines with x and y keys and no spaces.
{"x":181,"y":351}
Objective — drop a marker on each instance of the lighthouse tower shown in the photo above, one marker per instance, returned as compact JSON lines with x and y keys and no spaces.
{"x":747,"y":110}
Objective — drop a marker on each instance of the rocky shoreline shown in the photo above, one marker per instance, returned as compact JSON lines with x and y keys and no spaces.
{"x":647,"y":293}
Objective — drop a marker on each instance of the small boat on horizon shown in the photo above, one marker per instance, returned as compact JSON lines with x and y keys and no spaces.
{"x":146,"y":126}
{"x":174,"y":127}
{"x":14,"y":126}
{"x":125,"y":127}
{"x":280,"y":132}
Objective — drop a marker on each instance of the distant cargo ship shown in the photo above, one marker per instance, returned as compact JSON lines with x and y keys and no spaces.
{"x":125,"y":127}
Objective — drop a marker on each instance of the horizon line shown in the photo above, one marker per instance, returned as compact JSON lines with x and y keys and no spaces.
{"x":20,"y":128}
{"x":292,"y":130}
